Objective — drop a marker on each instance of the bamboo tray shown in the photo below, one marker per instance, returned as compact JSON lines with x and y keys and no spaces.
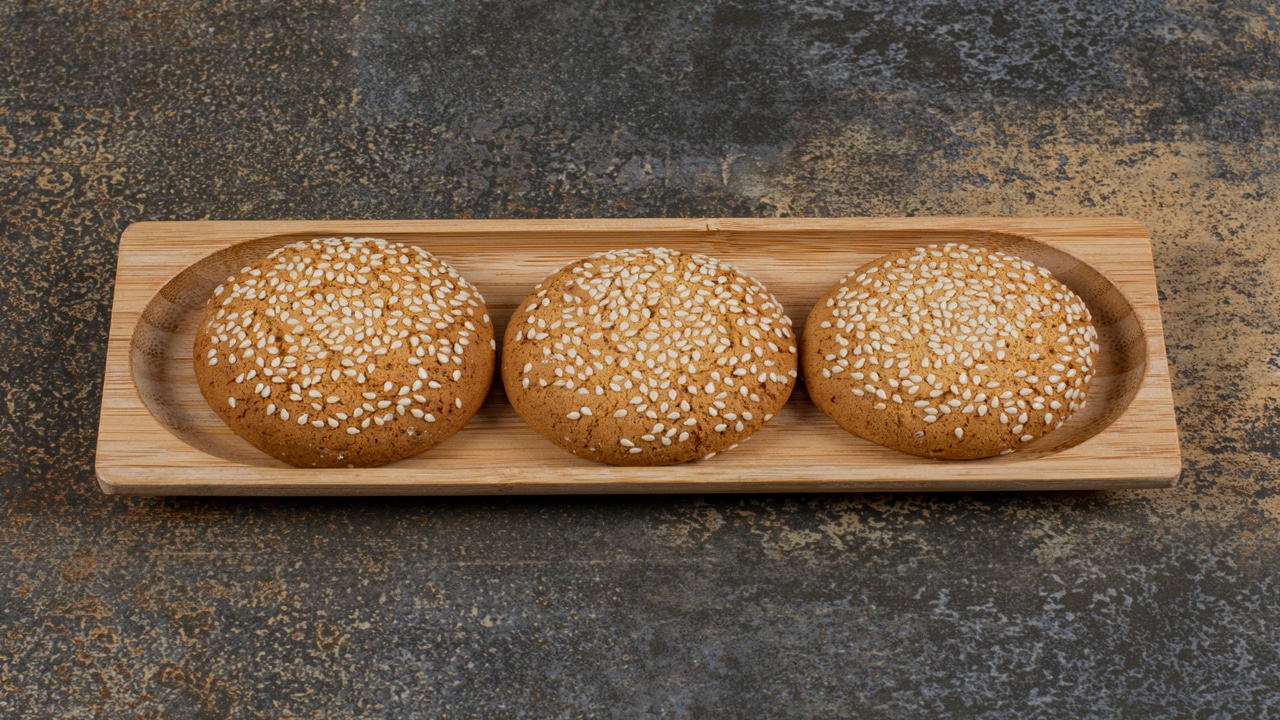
{"x":156,"y":436}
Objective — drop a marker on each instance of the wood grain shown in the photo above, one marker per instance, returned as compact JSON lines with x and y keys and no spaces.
{"x":156,"y":436}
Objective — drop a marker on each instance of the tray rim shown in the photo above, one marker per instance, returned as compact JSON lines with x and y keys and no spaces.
{"x":115,"y":476}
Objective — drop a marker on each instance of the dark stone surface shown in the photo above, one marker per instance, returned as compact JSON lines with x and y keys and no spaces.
{"x":1109,"y":604}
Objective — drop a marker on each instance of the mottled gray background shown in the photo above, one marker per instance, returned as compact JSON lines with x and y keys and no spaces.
{"x":1107,"y":604}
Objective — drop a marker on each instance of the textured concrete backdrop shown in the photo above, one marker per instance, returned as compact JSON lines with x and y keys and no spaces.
{"x":1109,"y":604}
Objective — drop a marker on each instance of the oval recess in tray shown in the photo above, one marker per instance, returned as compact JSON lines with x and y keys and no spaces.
{"x":160,"y":352}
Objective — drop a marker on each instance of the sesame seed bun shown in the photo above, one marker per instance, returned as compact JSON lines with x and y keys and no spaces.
{"x":648,"y":357}
{"x":949,"y":352}
{"x":345,"y":352}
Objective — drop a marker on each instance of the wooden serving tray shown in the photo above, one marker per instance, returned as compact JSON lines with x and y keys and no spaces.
{"x":156,"y":436}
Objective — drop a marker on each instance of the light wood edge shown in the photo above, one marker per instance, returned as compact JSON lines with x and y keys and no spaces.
{"x":346,"y":488}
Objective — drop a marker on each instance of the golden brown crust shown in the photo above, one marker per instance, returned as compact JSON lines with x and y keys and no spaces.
{"x":349,"y":352}
{"x":648,"y":357}
{"x":949,"y":352}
